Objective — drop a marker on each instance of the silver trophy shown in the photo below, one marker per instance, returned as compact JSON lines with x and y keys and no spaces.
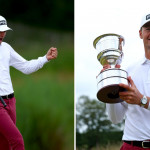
{"x":110,"y":52}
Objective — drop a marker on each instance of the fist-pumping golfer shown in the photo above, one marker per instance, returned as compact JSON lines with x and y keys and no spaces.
{"x":10,"y":137}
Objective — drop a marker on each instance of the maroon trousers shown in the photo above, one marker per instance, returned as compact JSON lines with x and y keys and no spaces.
{"x":126,"y":146}
{"x":10,"y":137}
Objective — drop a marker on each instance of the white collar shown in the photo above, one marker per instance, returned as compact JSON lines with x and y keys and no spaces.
{"x":145,"y":61}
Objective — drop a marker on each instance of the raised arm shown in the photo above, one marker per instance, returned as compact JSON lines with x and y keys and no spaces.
{"x":33,"y":65}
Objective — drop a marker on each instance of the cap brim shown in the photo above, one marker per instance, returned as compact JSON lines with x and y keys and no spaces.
{"x":4,"y":28}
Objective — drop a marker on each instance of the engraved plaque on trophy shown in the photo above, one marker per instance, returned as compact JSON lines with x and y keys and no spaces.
{"x":110,"y":52}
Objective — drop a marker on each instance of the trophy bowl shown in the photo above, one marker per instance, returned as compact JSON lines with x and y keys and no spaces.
{"x":109,"y":41}
{"x":110,"y":52}
{"x":109,"y":57}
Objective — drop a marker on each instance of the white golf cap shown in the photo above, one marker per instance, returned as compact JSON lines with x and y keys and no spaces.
{"x":3,"y":24}
{"x":145,"y":19}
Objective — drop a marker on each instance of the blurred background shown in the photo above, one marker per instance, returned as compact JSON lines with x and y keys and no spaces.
{"x":45,"y":99}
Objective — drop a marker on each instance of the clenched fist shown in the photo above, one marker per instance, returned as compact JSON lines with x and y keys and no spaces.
{"x":52,"y":53}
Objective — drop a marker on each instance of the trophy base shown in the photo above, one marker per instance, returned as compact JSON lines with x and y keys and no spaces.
{"x":110,"y":94}
{"x":108,"y":85}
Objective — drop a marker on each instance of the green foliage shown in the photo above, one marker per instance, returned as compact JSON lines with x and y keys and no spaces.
{"x":91,"y":113}
{"x":99,"y":130}
{"x":45,"y":113}
{"x":86,"y":141}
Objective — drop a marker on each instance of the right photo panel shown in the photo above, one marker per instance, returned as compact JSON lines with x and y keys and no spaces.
{"x":112,"y":75}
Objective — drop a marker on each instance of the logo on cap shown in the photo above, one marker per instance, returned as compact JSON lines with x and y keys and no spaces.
{"x":3,"y":22}
{"x":148,"y":17}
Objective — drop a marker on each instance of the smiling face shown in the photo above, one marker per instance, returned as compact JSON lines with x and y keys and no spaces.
{"x":2,"y":35}
{"x":145,"y":35}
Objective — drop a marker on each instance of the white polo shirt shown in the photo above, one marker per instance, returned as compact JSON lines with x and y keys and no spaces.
{"x":8,"y":57}
{"x":137,"y":119}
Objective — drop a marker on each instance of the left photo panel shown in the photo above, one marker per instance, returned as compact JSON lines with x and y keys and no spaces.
{"x":37,"y":75}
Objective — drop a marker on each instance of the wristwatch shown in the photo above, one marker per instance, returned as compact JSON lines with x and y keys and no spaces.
{"x":144,"y":101}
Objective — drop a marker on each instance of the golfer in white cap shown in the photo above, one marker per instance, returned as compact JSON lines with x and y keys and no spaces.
{"x":10,"y":137}
{"x":135,"y":107}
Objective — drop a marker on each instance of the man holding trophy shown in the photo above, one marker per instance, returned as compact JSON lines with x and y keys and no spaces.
{"x":134,"y":102}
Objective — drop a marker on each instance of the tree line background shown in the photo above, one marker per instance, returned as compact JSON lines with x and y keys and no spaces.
{"x":58,"y":14}
{"x":93,"y":128}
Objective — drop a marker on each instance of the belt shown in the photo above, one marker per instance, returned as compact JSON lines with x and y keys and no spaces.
{"x":8,"y":96}
{"x":143,"y":144}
